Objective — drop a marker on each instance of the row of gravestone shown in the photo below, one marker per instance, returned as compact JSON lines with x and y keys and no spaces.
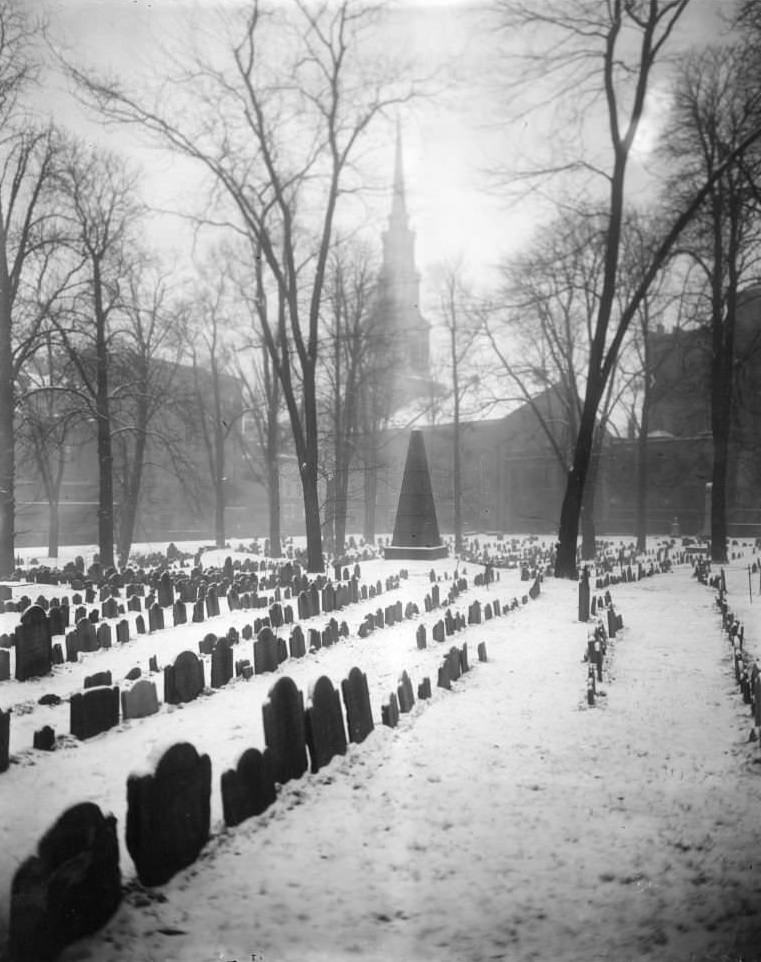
{"x":72,"y":885}
{"x":746,"y":668}
{"x":477,"y":614}
{"x":597,"y":646}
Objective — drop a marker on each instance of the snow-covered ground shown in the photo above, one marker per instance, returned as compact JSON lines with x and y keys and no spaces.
{"x":505,"y":819}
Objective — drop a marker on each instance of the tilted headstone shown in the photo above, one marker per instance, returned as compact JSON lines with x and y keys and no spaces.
{"x":93,"y":711}
{"x":141,"y":700}
{"x":69,"y":889}
{"x":325,"y":733}
{"x":249,"y":788}
{"x":424,"y":689}
{"x":439,"y":631}
{"x":168,"y":814}
{"x":444,"y":680}
{"x":98,"y":680}
{"x":482,"y":651}
{"x":184,"y":680}
{"x":356,"y":697}
{"x":221,"y":663}
{"x":284,"y":734}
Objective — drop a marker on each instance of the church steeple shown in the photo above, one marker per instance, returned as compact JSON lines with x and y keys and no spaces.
{"x":398,"y":203}
{"x":399,"y":286}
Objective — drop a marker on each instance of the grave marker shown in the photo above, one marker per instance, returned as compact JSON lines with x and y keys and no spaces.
{"x":324,"y":724}
{"x":284,"y":734}
{"x":356,"y":697}
{"x":249,"y":788}
{"x":168,"y":814}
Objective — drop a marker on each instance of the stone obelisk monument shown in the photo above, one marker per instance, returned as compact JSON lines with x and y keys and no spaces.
{"x":416,"y":531}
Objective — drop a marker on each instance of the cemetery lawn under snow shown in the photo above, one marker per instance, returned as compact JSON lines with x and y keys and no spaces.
{"x":505,"y":819}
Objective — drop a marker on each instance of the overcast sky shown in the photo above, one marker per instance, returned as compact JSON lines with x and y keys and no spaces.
{"x":449,"y":142}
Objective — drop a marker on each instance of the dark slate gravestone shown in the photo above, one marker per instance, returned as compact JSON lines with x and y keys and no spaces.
{"x":72,"y":646}
{"x":265,"y":652}
{"x":57,"y":654}
{"x":5,"y":739}
{"x":315,"y":640}
{"x":221,"y":663}
{"x":153,"y":663}
{"x":474,"y":613}
{"x":247,"y":632}
{"x":455,"y":667}
{"x":98,"y":680}
{"x":69,"y":889}
{"x":390,"y":712}
{"x":420,"y":637}
{"x":33,"y":643}
{"x":296,"y":643}
{"x":325,"y":734}
{"x":5,"y":664}
{"x":424,"y":689}
{"x":165,"y":591}
{"x":304,"y":606}
{"x":535,"y":588}
{"x":439,"y":631}
{"x":103,"y":634}
{"x":284,"y":734}
{"x":212,"y":602}
{"x":110,"y":608}
{"x":134,"y":604}
{"x":464,"y":664}
{"x":359,"y":718}
{"x":6,"y":593}
{"x":44,"y":739}
{"x":276,"y":616}
{"x":207,"y":643}
{"x":168,"y":814}
{"x":184,"y":680}
{"x":57,"y":620}
{"x":122,"y":631}
{"x":140,"y":700}
{"x":93,"y":711}
{"x":155,"y":618}
{"x":249,"y":788}
{"x":482,"y":651}
{"x":584,"y":595}
{"x":198,"y":611}
{"x":405,"y":694}
{"x":444,"y":680}
{"x":140,"y":625}
{"x":179,"y":613}
{"x":133,"y":674}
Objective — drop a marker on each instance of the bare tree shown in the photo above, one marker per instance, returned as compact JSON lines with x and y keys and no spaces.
{"x":462,"y":319}
{"x":350,"y":288}
{"x":145,"y":362}
{"x":100,"y":210}
{"x":277,"y":125}
{"x":217,"y":401}
{"x":717,"y":103}
{"x":605,"y":54}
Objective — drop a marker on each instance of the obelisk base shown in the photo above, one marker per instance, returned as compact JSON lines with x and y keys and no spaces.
{"x":406,"y":553}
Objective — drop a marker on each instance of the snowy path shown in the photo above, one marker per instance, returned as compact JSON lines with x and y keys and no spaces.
{"x":505,"y":820}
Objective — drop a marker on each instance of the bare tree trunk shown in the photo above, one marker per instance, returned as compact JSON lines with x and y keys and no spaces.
{"x":132,"y":489}
{"x":105,"y":455}
{"x":568,"y":533}
{"x":273,"y":493}
{"x":7,"y":439}
{"x":315,"y":560}
{"x":54,"y":527}
{"x":644,"y":428}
